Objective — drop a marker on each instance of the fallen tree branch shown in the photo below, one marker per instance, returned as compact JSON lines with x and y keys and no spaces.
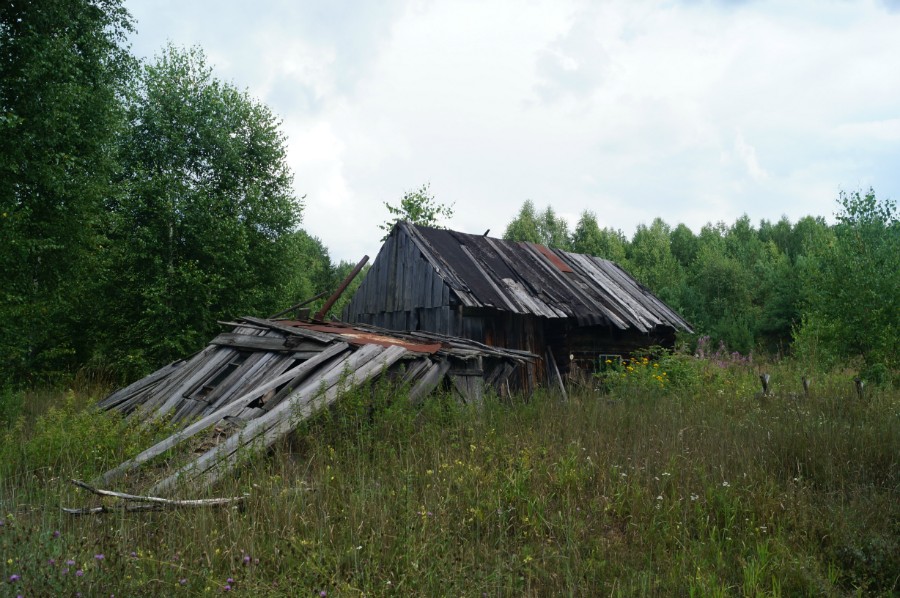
{"x":156,"y":503}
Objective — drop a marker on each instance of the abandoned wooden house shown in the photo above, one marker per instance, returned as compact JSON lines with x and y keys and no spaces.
{"x":567,"y":307}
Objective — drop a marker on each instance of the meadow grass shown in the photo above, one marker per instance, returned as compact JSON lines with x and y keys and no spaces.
{"x":685,"y":484}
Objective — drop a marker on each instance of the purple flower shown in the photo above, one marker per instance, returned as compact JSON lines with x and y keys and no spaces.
{"x":56,"y":534}
{"x":14,"y":578}
{"x":79,"y":573}
{"x":51,"y":561}
{"x":99,"y":557}
{"x":323,"y":593}
{"x":247,"y":559}
{"x":229,"y":580}
{"x":133,"y":555}
{"x":70,"y":562}
{"x":227,"y":588}
{"x":64,"y":571}
{"x":182,"y":581}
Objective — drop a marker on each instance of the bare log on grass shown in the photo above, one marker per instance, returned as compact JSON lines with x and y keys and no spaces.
{"x":149,"y":503}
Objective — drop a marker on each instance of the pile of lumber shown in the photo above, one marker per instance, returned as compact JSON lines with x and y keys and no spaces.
{"x":254,"y":384}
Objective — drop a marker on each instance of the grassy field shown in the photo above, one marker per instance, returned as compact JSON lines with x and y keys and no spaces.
{"x":661,"y":478}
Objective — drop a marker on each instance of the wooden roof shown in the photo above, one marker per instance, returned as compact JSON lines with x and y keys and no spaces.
{"x":527,"y":278}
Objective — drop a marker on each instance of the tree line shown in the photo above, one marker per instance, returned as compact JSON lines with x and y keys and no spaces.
{"x":140,"y":202}
{"x":827,"y":293}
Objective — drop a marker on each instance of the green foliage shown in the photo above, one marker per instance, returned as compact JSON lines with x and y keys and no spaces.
{"x":11,"y":404}
{"x":63,"y":67}
{"x":418,"y":207}
{"x":852,"y":298}
{"x":590,"y":239}
{"x":70,"y":437}
{"x":205,"y":228}
{"x":650,"y":260}
{"x":699,"y":488}
{"x":545,"y":228}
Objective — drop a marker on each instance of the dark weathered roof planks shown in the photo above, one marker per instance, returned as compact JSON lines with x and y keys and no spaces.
{"x":526,"y":278}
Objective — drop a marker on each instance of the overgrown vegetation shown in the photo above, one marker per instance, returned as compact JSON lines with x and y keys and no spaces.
{"x":828,"y":294}
{"x":691,"y":486}
{"x":141,"y":202}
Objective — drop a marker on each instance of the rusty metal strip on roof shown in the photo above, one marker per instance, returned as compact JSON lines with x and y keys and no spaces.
{"x":358,"y":337}
{"x":554,"y":259}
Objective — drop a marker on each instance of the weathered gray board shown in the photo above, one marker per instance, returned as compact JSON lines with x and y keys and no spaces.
{"x":256,"y":383}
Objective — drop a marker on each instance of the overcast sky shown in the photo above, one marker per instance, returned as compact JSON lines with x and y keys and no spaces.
{"x":689,"y":110}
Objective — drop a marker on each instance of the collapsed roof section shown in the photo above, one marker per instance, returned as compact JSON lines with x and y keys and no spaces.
{"x":253,"y":385}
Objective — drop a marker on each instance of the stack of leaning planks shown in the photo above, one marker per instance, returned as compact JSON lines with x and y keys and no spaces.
{"x":253,"y":385}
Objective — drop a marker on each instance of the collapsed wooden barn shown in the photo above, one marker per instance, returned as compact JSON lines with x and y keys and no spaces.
{"x":569,"y":308}
{"x":253,"y":385}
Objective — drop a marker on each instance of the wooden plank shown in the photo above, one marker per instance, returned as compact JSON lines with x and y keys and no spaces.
{"x":263,"y":431}
{"x":174,"y":386}
{"x":139,"y":385}
{"x":304,"y":369}
{"x":215,"y":362}
{"x":263,"y":343}
{"x":267,"y":367}
{"x":428,"y":380}
{"x":292,"y":330}
{"x":554,"y":375}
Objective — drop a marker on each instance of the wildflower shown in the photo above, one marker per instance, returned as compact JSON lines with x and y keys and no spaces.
{"x":182,"y":581}
{"x":694,"y":497}
{"x":51,"y":561}
{"x":99,"y":557}
{"x":659,"y":497}
{"x":725,"y":484}
{"x":79,"y":573}
{"x":247,"y":559}
{"x":229,"y":580}
{"x":133,"y":555}
{"x":56,"y":533}
{"x":70,"y":563}
{"x":322,"y":594}
{"x":227,"y":588}
{"x":14,"y":578}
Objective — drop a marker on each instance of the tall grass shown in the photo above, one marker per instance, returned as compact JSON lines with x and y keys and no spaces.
{"x":690,"y":486}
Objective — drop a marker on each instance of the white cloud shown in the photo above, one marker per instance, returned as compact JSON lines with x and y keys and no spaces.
{"x":692,"y":111}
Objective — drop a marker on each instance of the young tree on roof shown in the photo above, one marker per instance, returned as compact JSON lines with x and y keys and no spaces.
{"x":419,"y":207}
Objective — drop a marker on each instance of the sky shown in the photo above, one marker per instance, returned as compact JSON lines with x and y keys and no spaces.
{"x":692,"y":111}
